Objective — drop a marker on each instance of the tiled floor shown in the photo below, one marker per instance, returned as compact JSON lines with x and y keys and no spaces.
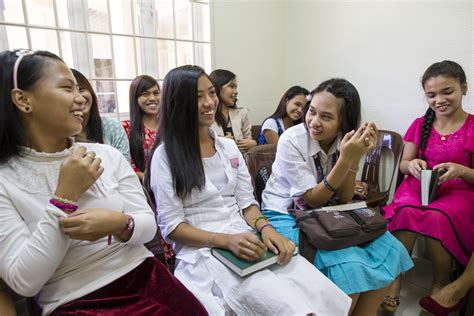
{"x":415,"y":284}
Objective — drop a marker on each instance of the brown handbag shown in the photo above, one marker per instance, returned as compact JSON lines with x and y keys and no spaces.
{"x":330,"y":230}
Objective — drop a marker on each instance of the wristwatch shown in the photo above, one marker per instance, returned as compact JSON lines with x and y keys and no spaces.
{"x":130,"y":225}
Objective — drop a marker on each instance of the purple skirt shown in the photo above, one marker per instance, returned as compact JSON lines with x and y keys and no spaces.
{"x":149,"y":289}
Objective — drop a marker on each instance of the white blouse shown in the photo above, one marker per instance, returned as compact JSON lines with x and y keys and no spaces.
{"x":294,"y":171}
{"x":37,"y":257}
{"x":270,"y":124}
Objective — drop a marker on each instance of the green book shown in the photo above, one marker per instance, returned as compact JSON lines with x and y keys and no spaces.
{"x":242,"y":267}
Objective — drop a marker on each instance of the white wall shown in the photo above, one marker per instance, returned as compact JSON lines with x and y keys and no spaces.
{"x":383,"y":47}
{"x":248,"y":41}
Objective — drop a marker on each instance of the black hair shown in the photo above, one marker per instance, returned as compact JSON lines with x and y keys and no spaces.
{"x":179,"y":129}
{"x":93,"y":129}
{"x":30,"y":71}
{"x":139,"y":85}
{"x":445,"y":68}
{"x":219,"y":78}
{"x":280,"y":111}
{"x":349,"y":112}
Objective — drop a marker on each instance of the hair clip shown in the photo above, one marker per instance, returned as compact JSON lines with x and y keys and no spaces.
{"x":20,"y":53}
{"x":309,"y":97}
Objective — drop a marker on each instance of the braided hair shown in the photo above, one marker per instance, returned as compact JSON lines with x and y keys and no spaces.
{"x":445,"y":68}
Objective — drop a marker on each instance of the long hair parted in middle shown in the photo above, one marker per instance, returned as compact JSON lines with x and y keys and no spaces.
{"x":139,"y":85}
{"x":179,"y":129}
{"x":349,"y":111}
{"x":93,"y":129}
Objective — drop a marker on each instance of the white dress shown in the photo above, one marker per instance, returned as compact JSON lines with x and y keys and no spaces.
{"x":296,"y":288}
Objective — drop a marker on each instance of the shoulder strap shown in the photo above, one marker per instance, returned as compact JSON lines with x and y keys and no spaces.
{"x":280,"y":130}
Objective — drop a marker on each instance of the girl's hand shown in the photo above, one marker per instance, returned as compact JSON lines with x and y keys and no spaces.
{"x":278,"y":244}
{"x":245,"y":144}
{"x":453,"y":171}
{"x":415,"y":166}
{"x":77,"y":173}
{"x":92,"y":224}
{"x":246,"y":246}
{"x":357,"y":143}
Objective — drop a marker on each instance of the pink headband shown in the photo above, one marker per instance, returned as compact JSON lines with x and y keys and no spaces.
{"x":20,"y":53}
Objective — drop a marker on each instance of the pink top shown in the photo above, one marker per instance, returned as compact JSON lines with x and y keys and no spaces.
{"x":456,"y":147}
{"x":148,"y":136}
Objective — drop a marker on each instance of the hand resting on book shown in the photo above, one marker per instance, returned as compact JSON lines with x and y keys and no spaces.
{"x":415,"y":166}
{"x":450,"y":171}
{"x":246,"y":246}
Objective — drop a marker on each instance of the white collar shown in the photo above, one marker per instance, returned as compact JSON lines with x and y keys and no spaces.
{"x":315,"y":147}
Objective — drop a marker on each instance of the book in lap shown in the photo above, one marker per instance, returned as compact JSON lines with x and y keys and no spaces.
{"x":242,"y":267}
{"x":429,"y":185}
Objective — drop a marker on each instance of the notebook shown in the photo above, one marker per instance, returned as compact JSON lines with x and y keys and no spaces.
{"x":244,"y":268}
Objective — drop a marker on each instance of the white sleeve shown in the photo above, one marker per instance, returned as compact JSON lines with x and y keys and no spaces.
{"x":29,"y":258}
{"x":169,"y":206}
{"x":134,"y":201}
{"x":293,"y":165}
{"x":270,"y":124}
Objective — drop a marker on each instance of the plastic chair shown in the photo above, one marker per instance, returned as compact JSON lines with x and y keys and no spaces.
{"x":255,"y":132}
{"x":259,"y":162}
{"x":388,"y":141}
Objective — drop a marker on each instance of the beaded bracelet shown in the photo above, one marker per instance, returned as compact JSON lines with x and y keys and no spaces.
{"x":63,"y":200}
{"x":67,"y":207}
{"x":328,"y":186}
{"x":266,"y":225}
{"x":256,"y":219}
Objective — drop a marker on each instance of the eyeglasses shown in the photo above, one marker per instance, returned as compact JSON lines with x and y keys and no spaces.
{"x":20,"y":53}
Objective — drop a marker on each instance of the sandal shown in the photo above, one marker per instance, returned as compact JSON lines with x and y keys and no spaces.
{"x":390,"y":303}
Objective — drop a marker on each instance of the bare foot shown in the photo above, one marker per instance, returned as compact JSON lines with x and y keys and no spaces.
{"x":448,"y":296}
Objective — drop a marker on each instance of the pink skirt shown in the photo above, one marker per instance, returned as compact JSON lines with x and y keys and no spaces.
{"x":449,"y":218}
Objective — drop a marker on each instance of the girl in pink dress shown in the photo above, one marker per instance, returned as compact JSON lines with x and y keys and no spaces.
{"x":441,"y":139}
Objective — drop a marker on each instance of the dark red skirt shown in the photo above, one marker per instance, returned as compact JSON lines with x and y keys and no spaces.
{"x":149,"y":289}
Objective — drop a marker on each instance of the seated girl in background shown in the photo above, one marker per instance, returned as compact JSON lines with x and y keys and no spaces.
{"x":62,"y":202}
{"x":141,"y":129}
{"x":316,"y":163}
{"x":288,"y":113}
{"x":103,"y":130}
{"x":442,"y":139}
{"x":231,"y":122}
{"x":205,"y":199}
{"x":143,"y":124}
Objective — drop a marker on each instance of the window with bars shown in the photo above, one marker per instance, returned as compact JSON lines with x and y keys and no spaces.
{"x":112,"y":41}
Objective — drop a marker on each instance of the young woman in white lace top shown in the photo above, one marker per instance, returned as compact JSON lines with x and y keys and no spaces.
{"x":73,"y":216}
